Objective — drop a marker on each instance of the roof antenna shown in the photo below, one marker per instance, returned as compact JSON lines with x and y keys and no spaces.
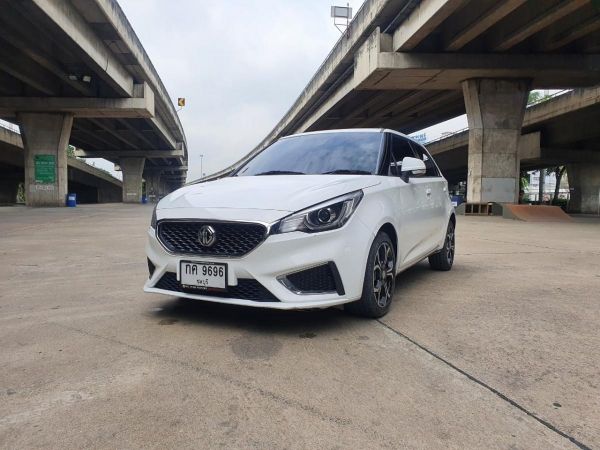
{"x":342,"y":15}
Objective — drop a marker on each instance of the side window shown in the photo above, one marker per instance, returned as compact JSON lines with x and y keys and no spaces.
{"x":432,"y":170}
{"x":399,"y":149}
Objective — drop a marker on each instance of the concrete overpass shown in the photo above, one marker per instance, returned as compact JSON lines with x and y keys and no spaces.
{"x":91,"y":185}
{"x":560,"y":131}
{"x":409,"y":64}
{"x":73,"y":71}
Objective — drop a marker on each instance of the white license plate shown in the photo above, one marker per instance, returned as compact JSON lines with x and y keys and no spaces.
{"x":203,"y":275}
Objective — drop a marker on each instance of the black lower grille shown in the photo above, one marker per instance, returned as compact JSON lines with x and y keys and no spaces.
{"x":246,"y":289}
{"x":323,"y":278}
{"x":151,"y":268}
{"x":230,"y":238}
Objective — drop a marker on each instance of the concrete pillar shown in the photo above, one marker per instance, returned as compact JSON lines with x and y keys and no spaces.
{"x":153,"y":186}
{"x":132,"y":170}
{"x":584,"y":183}
{"x":8,"y":191}
{"x":495,"y":110}
{"x":45,"y":138}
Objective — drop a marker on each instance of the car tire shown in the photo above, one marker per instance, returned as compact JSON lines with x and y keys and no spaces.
{"x":444,"y":259}
{"x":380,"y":280}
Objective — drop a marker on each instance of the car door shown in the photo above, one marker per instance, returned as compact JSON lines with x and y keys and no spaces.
{"x":410,"y":203}
{"x":436,"y":188}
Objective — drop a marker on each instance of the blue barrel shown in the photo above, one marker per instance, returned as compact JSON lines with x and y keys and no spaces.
{"x":457,"y":200}
{"x":72,"y":200}
{"x":144,"y":199}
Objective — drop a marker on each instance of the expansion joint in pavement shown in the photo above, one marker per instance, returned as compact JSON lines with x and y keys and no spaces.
{"x":481,"y":383}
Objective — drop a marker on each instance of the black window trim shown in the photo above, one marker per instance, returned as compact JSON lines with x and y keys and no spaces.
{"x":415,"y":146}
{"x":385,"y":163}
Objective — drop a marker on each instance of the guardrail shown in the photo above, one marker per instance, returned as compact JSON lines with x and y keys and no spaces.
{"x":537,"y":102}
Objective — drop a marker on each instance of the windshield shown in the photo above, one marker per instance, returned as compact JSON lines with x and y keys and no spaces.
{"x":315,"y":154}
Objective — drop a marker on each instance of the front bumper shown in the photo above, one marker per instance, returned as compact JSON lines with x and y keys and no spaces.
{"x":277,"y":256}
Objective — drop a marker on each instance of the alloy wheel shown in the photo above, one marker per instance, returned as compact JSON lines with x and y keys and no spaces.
{"x":450,"y":244}
{"x":383,"y":275}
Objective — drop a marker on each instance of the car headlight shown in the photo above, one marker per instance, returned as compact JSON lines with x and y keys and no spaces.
{"x":153,"y":220}
{"x":328,"y":215}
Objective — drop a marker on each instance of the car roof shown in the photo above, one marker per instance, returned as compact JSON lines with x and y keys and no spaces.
{"x":349,"y":130}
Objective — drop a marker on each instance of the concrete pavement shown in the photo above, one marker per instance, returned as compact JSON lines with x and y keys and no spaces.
{"x":501,"y":352}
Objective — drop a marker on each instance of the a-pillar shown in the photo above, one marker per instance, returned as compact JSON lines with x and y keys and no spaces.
{"x":495,"y":110}
{"x":584,"y":183}
{"x":153,"y":186}
{"x":45,"y":140}
{"x":132,"y":170}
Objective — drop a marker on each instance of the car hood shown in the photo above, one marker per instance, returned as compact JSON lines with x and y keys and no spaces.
{"x":286,"y":193}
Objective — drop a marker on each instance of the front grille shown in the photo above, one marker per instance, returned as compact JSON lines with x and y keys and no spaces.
{"x":322,"y":278}
{"x":232,"y":239}
{"x":247,"y":289}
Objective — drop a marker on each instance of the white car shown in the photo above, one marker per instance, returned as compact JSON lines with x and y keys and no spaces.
{"x":315,"y":220}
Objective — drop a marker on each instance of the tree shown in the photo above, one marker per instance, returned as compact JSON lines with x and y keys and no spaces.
{"x":559,"y":171}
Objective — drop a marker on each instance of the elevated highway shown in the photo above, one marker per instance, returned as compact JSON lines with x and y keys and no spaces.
{"x":91,"y":184}
{"x":73,"y":71}
{"x":561,"y":130}
{"x":409,"y":64}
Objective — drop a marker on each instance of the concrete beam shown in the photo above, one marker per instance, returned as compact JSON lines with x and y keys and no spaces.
{"x":105,"y":64}
{"x":538,"y":23}
{"x":27,"y":43}
{"x":381,"y":70}
{"x":483,"y":23}
{"x":115,"y":154}
{"x":163,"y":132}
{"x":590,"y":26}
{"x":425,"y":18}
{"x":141,"y":106}
{"x":575,"y":100}
{"x":31,"y":75}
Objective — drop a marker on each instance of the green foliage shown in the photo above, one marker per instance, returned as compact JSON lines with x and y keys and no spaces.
{"x":537,"y":97}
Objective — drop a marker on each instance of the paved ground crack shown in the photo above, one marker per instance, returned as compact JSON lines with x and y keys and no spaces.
{"x":274,"y":396}
{"x":488,"y":387}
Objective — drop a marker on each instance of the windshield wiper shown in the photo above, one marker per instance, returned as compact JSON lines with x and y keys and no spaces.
{"x":347,"y":172}
{"x":280,"y":172}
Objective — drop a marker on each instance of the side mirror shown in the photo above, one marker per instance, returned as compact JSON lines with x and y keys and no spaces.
{"x":412,"y":167}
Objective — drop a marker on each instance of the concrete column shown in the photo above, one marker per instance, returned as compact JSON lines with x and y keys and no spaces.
{"x":153,"y":186}
{"x":495,"y":110}
{"x":8,"y":191}
{"x":132,"y":169}
{"x":45,"y":140}
{"x":584,"y":182}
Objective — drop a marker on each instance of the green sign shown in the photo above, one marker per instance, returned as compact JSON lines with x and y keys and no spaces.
{"x":45,"y":168}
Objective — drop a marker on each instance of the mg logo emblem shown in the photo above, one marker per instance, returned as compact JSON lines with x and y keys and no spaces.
{"x":207,"y":236}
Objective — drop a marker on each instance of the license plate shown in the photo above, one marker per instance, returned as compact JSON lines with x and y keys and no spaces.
{"x":203,"y":276}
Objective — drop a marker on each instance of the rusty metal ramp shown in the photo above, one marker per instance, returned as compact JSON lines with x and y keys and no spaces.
{"x":535,"y":213}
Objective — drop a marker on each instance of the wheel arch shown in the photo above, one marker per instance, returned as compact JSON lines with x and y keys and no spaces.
{"x":390,"y":230}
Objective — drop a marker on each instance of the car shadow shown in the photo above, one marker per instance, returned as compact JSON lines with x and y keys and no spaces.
{"x":293,"y":322}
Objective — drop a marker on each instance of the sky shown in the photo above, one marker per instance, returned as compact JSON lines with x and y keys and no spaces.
{"x":239,"y":64}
